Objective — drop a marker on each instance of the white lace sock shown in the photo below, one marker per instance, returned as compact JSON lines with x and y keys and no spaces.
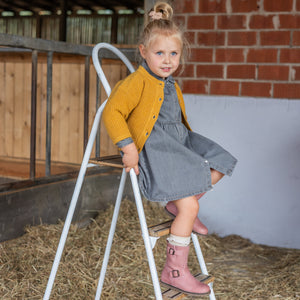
{"x":176,"y":240}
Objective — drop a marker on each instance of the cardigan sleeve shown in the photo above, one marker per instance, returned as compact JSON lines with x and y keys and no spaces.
{"x":122,"y":101}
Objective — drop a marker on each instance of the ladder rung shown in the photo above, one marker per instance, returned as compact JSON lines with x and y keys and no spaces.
{"x":111,"y":161}
{"x":160,"y":229}
{"x":175,"y":295}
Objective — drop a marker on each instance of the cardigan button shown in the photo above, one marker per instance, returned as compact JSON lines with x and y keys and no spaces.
{"x":159,"y":99}
{"x":153,"y":117}
{"x":147,"y":133}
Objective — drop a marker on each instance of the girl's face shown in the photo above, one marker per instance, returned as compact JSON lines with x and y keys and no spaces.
{"x":162,"y":55}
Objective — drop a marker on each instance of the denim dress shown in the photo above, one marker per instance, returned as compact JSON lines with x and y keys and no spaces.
{"x":175,"y":162}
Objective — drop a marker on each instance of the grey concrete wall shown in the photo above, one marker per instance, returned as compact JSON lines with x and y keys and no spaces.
{"x":49,"y":200}
{"x":261,"y":201}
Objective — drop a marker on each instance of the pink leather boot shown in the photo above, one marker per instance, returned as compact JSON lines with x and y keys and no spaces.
{"x":198,"y":227}
{"x":177,"y":275}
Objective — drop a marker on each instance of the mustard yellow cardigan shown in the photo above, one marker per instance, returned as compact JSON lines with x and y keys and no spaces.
{"x":133,"y":107}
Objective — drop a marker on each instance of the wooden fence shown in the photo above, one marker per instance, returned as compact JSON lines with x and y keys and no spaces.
{"x":67,"y":117}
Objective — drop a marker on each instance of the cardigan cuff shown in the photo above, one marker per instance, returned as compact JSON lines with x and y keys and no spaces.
{"x":125,"y":142}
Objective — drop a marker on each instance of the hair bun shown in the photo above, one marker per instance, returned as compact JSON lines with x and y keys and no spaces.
{"x":161,"y":10}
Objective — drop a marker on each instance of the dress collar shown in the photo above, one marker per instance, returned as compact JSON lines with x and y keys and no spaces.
{"x":168,"y":79}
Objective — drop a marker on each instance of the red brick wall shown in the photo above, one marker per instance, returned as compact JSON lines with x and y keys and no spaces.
{"x":241,"y":47}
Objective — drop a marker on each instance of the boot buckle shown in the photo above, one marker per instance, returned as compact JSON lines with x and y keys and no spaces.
{"x":171,"y":251}
{"x":175,"y":273}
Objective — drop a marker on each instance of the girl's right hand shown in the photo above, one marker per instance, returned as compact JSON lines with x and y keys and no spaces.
{"x":130,"y":158}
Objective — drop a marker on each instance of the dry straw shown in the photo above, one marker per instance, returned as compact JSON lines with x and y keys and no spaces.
{"x":243,"y":270}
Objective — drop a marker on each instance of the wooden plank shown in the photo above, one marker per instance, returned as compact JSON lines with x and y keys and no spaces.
{"x":18,"y":109}
{"x":55,"y":46}
{"x":19,"y":167}
{"x":2,"y":105}
{"x":161,"y":229}
{"x":41,"y":110}
{"x":56,"y":84}
{"x":112,"y":161}
{"x":176,"y":295}
{"x":76,"y":113}
{"x":9,"y":108}
{"x":65,"y":112}
{"x":26,"y":60}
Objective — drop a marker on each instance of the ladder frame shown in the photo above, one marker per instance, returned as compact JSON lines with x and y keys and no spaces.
{"x":148,"y":241}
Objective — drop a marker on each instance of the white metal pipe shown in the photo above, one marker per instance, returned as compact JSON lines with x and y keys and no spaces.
{"x":73,"y":202}
{"x":202,"y":263}
{"x":111,"y":235}
{"x":98,"y":67}
{"x":145,"y":234}
{"x":85,"y":160}
{"x":199,"y":254}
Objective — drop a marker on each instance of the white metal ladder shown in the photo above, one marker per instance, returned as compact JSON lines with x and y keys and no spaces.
{"x":149,"y":241}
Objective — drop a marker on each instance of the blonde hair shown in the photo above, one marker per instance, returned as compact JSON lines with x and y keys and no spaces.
{"x":160,"y":22}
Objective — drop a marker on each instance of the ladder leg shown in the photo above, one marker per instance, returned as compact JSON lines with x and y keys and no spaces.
{"x":202,"y":263}
{"x":145,"y":233}
{"x":111,"y":235}
{"x":73,"y":203}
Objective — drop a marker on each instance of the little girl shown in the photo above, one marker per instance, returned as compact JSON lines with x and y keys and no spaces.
{"x":145,"y":116}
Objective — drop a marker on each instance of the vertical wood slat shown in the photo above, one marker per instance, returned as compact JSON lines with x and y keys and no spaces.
{"x":33,"y":113}
{"x":98,"y":103}
{"x":86,"y":100}
{"x":49,"y":113}
{"x":63,"y":21}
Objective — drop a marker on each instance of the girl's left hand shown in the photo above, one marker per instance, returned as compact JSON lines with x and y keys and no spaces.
{"x":130,"y":158}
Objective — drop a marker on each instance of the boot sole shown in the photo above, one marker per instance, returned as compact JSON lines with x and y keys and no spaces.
{"x":182,"y":291}
{"x":173,"y":216}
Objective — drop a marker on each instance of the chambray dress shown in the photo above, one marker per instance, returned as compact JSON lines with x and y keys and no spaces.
{"x":175,"y":162}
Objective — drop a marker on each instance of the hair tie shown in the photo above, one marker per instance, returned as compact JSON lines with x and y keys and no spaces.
{"x":155,"y":15}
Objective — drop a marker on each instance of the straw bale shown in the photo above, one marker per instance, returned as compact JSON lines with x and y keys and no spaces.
{"x":243,"y":270}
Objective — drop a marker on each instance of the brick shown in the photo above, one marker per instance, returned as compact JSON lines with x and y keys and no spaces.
{"x":191,"y":37}
{"x":231,"y":22}
{"x":201,"y":55}
{"x":273,"y":72}
{"x":201,"y":22}
{"x":211,"y":38}
{"x":262,"y":55}
{"x":224,"y":88}
{"x":298,"y":5}
{"x":296,"y":73}
{"x":296,"y":38}
{"x":188,"y":71}
{"x":210,"y":71}
{"x":185,"y":6}
{"x":241,"y":71}
{"x":194,"y":86}
{"x":285,"y":90}
{"x":212,"y":6}
{"x":236,"y":38}
{"x":290,"y":55}
{"x":289,"y":21}
{"x":229,"y":55}
{"x":278,"y":5}
{"x":268,"y":38}
{"x":256,"y":89}
{"x":239,"y":6}
{"x":261,"y":22}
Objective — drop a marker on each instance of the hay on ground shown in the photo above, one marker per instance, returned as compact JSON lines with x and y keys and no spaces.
{"x":242,"y":270}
